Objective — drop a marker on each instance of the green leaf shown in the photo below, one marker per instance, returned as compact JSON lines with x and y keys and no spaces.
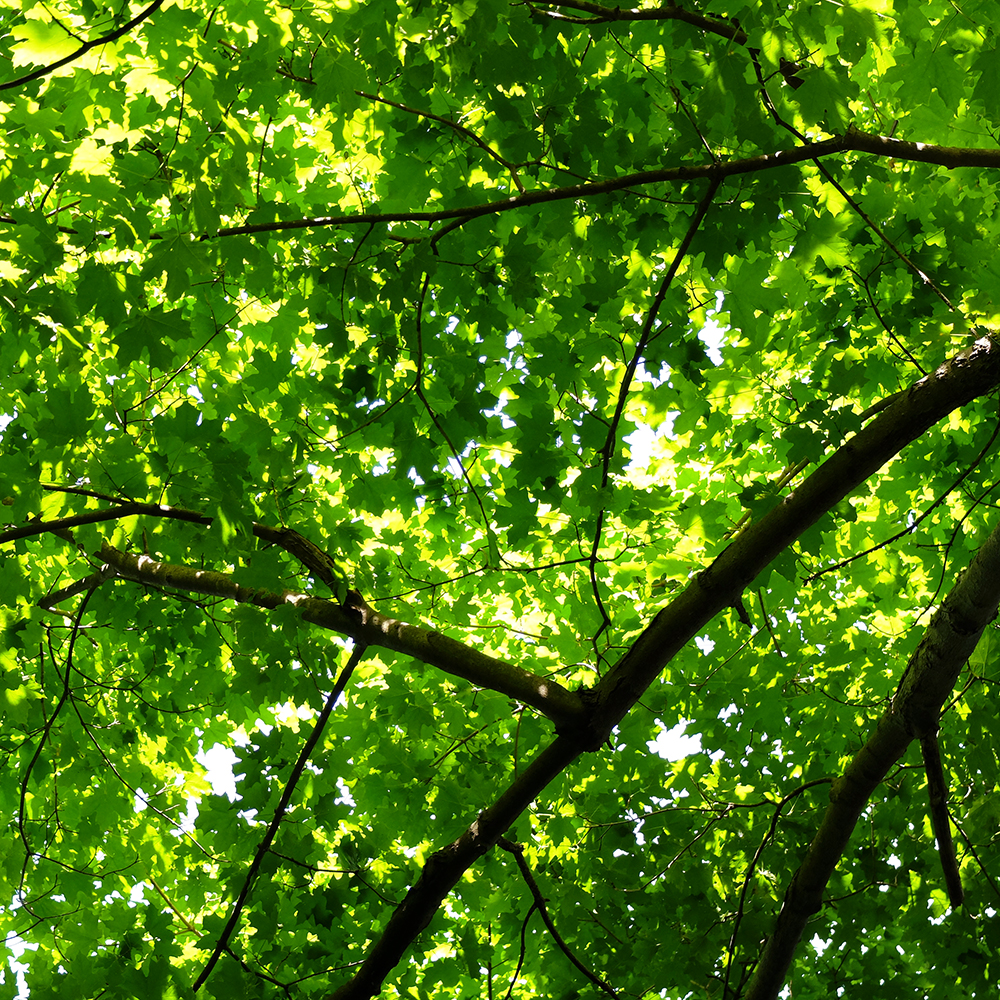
{"x":328,"y":335}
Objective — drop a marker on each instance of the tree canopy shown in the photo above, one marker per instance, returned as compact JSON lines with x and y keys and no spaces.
{"x":443,"y":406}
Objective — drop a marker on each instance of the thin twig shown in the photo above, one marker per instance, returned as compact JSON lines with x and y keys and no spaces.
{"x":731,"y":951}
{"x":536,"y":894}
{"x":47,"y":728}
{"x":610,"y":442}
{"x":461,"y":129}
{"x":419,"y":389}
{"x":260,"y":156}
{"x":910,"y":528}
{"x":84,"y":48}
{"x":869,"y":222}
{"x":279,"y":812}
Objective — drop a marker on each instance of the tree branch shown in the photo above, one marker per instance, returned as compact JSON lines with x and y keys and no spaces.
{"x":362,"y":623}
{"x":279,"y":812}
{"x":445,"y":867}
{"x":359,"y":621}
{"x":457,"y":126}
{"x":600,"y":14}
{"x":970,"y":373}
{"x":862,"y":214}
{"x":540,"y":904}
{"x":852,"y":141}
{"x":611,"y":441}
{"x":937,"y":792}
{"x":112,"y":36}
{"x":929,"y":678}
{"x":308,"y":553}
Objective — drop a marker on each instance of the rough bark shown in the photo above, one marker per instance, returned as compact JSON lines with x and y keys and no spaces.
{"x":971,"y":373}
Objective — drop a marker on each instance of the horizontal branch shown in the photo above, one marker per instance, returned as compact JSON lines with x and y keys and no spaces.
{"x":356,"y":619}
{"x":599,"y":14}
{"x":309,"y":554}
{"x":852,"y":141}
{"x":59,"y":525}
{"x":363,"y":623}
{"x":727,"y":28}
{"x":928,"y":680}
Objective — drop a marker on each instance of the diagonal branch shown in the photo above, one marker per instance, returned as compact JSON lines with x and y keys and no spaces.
{"x":279,"y":812}
{"x":540,"y":904}
{"x":112,"y":36}
{"x":354,"y":618}
{"x":862,"y":214}
{"x":610,"y":444}
{"x":752,"y":867}
{"x":418,"y":386}
{"x":50,"y":721}
{"x":607,"y":451}
{"x":912,"y":526}
{"x":928,"y":680}
{"x":457,"y":126}
{"x":445,"y":867}
{"x":969,"y":374}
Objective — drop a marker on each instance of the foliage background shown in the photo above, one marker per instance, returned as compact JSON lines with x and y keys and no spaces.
{"x":386,"y":274}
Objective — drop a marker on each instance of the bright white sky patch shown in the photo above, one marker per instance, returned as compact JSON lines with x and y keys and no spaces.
{"x":672,"y":744}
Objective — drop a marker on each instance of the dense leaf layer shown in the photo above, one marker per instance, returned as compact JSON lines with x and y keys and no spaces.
{"x":530,"y":323}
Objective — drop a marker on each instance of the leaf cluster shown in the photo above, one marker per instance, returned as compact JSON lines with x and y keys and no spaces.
{"x":512,"y":319}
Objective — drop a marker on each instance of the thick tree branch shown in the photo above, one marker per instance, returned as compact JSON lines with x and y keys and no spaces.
{"x":445,"y":867}
{"x":929,"y":678}
{"x":362,"y":623}
{"x":970,"y":373}
{"x":973,"y":372}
